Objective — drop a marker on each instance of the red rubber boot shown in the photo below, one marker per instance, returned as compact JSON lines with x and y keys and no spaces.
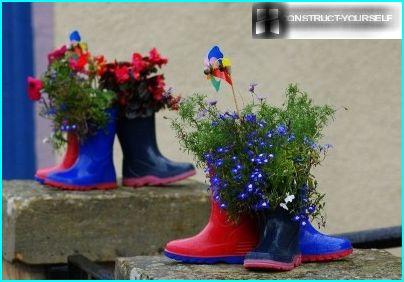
{"x":219,"y":241}
{"x":69,"y":159}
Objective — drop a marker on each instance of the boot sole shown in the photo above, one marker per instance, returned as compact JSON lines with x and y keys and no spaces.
{"x":205,"y":260}
{"x":64,"y":186}
{"x":326,"y":257}
{"x":39,"y":180}
{"x":151,"y":180}
{"x":272,"y":265}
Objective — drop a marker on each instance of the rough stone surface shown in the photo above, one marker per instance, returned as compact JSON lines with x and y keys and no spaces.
{"x":362,"y":264}
{"x":44,"y":225}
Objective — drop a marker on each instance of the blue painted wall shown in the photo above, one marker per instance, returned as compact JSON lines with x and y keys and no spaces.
{"x":18,"y":113}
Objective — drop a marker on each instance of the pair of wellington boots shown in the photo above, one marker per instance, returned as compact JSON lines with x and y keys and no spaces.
{"x":89,"y":164}
{"x":267,"y":241}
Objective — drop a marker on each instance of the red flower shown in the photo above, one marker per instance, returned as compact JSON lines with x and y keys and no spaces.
{"x":122,"y":74}
{"x":157,"y":87}
{"x":57,"y":54}
{"x":155,"y":58}
{"x":34,"y":88}
{"x":139,"y":65}
{"x":79,"y":64}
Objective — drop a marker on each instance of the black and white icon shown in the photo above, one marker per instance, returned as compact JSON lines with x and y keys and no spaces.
{"x":268,"y":20}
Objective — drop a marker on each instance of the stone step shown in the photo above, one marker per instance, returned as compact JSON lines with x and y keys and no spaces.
{"x":43,"y":225}
{"x":362,"y":264}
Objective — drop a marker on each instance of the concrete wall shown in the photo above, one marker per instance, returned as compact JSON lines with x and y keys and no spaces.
{"x":361,"y":175}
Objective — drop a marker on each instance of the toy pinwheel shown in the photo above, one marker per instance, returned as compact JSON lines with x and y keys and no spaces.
{"x":216,"y":66}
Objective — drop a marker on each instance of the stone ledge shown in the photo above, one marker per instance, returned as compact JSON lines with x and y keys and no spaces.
{"x":43,"y":225}
{"x":362,"y":264}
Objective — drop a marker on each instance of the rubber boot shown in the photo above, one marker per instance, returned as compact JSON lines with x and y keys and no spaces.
{"x":143,"y":163}
{"x":278,"y":247}
{"x":94,"y":167}
{"x":69,"y":159}
{"x":220,"y":241}
{"x":316,"y":246}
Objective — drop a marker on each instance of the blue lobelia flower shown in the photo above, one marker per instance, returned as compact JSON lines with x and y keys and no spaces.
{"x":311,"y":209}
{"x":250,"y":118}
{"x":243,"y":196}
{"x":219,"y":162}
{"x":250,"y":188}
{"x":257,"y":176}
{"x":281,"y":129}
{"x":310,"y":143}
{"x":215,"y":181}
{"x":263,"y":205}
{"x":291,"y":137}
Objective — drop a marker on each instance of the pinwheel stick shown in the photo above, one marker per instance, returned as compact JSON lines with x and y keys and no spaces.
{"x":235,"y":100}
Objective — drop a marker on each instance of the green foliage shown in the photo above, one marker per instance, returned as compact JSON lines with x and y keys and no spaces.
{"x":72,"y":97}
{"x":290,"y":134}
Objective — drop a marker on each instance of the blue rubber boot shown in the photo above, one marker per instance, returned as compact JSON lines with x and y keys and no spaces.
{"x":316,"y":246}
{"x":278,"y":247}
{"x":94,"y":167}
{"x":143,"y":164}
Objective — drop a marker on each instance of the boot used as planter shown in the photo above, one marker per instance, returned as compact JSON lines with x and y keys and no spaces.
{"x":261,"y":158}
{"x":94,"y":167}
{"x":220,"y":241}
{"x":278,"y":247}
{"x":316,"y":246}
{"x":80,"y":109}
{"x":143,"y":164}
{"x":69,"y":159}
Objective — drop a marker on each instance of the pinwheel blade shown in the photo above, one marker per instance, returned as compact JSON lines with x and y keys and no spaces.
{"x":215,"y":83}
{"x":215,"y":53}
{"x":75,"y":36}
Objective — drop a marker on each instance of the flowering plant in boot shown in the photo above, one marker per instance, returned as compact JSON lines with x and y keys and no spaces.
{"x":259,"y":157}
{"x":68,"y":91}
{"x":140,"y":88}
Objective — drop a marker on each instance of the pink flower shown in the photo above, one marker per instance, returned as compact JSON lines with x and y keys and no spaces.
{"x":57,"y":54}
{"x":155,"y":58}
{"x":34,"y":88}
{"x":139,"y":65}
{"x":122,"y":74}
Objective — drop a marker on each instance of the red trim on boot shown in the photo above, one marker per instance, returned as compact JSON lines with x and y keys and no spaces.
{"x":64,"y":186}
{"x":70,"y":157}
{"x":219,"y":238}
{"x":151,"y":180}
{"x":326,"y":257}
{"x":272,"y":265}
